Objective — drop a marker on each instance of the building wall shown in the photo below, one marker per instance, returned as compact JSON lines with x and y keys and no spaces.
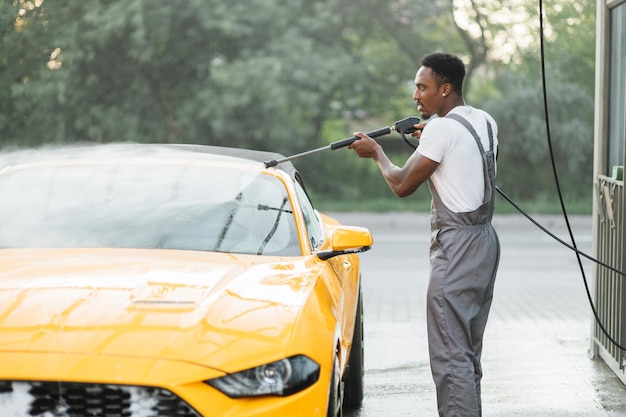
{"x":609,"y":286}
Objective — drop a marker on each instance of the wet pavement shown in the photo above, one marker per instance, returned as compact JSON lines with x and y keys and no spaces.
{"x":536,"y":357}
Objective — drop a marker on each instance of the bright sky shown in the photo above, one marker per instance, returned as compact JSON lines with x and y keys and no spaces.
{"x":519,"y":28}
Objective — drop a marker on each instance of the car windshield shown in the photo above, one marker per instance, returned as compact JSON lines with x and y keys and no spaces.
{"x":227,"y":208}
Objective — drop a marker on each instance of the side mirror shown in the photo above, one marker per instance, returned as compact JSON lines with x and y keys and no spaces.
{"x":346,"y":240}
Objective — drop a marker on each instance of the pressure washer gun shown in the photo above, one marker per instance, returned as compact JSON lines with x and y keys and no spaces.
{"x":403,"y":127}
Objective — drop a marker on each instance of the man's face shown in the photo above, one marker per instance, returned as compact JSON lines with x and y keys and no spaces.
{"x":428,"y":93}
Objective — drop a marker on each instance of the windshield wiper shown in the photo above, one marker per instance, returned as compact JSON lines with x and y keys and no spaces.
{"x":265,"y":207}
{"x":280,"y":210}
{"x":228,"y":223}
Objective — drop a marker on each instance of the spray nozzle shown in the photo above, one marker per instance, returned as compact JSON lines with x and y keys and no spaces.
{"x":406,"y":126}
{"x":403,"y":127}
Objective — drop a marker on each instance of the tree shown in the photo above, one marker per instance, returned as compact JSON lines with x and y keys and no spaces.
{"x":525,"y":164}
{"x":280,"y":75}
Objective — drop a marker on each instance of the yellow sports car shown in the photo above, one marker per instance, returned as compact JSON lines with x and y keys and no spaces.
{"x":173,"y":280}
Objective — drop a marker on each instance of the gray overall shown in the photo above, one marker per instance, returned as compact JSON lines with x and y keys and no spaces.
{"x":464,"y":256}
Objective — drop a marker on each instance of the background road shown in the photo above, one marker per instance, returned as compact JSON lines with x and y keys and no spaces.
{"x":535,"y":357}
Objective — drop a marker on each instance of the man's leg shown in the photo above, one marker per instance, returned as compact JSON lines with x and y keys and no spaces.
{"x":451,"y":354}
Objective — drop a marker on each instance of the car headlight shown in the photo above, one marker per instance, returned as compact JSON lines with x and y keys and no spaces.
{"x":281,"y":378}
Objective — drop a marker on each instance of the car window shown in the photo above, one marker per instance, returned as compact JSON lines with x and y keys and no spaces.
{"x":312,"y":221}
{"x":129,"y":205}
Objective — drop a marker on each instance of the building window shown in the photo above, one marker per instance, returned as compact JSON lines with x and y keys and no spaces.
{"x":617,"y":90}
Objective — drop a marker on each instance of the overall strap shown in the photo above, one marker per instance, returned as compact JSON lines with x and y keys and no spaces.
{"x":471,"y":129}
{"x":489,"y":163}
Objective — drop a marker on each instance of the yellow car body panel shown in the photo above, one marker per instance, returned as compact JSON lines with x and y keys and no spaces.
{"x":133,"y":317}
{"x":174,"y":319}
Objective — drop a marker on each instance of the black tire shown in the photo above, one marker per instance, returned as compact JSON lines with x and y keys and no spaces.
{"x":334,"y":394}
{"x":353,"y":379}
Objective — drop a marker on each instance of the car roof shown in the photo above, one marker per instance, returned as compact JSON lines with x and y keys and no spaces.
{"x":250,"y":154}
{"x":140,"y":150}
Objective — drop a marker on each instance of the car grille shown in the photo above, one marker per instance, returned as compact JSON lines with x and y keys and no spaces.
{"x":65,"y":399}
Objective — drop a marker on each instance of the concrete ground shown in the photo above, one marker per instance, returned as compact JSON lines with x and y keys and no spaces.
{"x":536,"y":356}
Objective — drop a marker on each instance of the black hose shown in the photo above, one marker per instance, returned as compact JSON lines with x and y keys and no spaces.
{"x":560,"y":194}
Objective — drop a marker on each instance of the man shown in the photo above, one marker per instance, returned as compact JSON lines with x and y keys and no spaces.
{"x":464,"y":253}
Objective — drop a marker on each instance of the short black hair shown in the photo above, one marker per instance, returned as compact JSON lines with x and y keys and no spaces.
{"x":447,"y":68}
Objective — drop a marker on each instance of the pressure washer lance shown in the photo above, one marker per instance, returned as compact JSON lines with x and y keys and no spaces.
{"x":403,"y":127}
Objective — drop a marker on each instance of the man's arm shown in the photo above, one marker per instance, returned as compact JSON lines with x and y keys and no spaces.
{"x":403,"y":181}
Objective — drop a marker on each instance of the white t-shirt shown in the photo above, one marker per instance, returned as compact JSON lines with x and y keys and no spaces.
{"x":459,"y":177}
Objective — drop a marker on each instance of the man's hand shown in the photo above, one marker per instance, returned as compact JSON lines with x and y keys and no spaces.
{"x":365,"y":147}
{"x":418,"y":130}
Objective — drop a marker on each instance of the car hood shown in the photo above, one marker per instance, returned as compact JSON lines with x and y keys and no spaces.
{"x":204,"y":308}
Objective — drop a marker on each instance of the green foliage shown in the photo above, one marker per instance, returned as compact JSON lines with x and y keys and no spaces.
{"x":525,"y":164}
{"x":294,"y":75}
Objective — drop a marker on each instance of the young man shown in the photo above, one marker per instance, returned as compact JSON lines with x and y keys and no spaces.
{"x":457,"y":156}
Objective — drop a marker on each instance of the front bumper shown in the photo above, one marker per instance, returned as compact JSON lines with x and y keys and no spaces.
{"x":139,"y":386}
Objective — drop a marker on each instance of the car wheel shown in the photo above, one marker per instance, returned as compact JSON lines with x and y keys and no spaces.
{"x":335,"y":392}
{"x":353,"y":380}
